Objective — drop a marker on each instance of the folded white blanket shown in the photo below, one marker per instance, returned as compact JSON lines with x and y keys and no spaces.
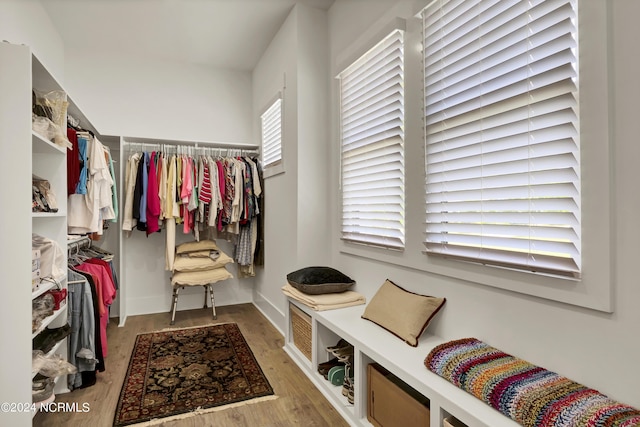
{"x":325,"y":301}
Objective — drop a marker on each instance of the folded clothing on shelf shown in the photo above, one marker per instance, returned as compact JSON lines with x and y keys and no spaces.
{"x":325,"y":301}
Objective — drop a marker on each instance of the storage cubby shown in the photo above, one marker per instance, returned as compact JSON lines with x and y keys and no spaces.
{"x":324,"y":338}
{"x":391,"y":402}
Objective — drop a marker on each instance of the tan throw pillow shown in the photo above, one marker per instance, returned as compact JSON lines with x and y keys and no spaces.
{"x":193,"y":278}
{"x":196,"y":246}
{"x":401,"y":312}
{"x":188,"y":263}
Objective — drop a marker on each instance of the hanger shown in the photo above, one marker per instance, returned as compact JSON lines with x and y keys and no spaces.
{"x":75,"y":258}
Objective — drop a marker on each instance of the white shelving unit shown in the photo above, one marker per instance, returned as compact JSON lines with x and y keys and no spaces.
{"x":372,"y":344}
{"x":27,"y":153}
{"x":49,"y":161}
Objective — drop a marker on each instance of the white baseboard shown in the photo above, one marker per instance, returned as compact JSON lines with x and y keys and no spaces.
{"x":270,"y":311}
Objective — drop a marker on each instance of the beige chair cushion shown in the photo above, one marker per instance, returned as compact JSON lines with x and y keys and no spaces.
{"x":188,"y":263}
{"x":201,"y":254}
{"x":196,"y":246}
{"x":401,"y":312}
{"x":195,"y":278}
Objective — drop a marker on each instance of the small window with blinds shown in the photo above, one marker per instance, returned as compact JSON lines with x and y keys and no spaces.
{"x":502,"y":133}
{"x":372,"y":137}
{"x":271,"y":123}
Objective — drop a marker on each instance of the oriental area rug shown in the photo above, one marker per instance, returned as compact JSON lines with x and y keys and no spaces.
{"x":184,"y":372}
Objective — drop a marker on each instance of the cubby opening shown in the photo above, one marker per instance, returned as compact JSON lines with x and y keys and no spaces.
{"x":392,"y":402}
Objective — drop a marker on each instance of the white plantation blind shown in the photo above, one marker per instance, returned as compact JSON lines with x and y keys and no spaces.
{"x":502,"y":133}
{"x":271,"y":121}
{"x":372,"y":127}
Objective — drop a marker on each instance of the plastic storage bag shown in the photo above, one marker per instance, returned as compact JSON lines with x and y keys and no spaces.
{"x":53,"y":106}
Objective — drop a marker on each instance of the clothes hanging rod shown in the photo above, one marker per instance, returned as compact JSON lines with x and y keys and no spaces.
{"x":227,"y":151}
{"x":215,"y":145}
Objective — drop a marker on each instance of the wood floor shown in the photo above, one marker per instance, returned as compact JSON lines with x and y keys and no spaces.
{"x":298,"y":402}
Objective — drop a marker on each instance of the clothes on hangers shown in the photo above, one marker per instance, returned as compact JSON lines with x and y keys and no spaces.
{"x":114,"y":192}
{"x":73,"y":162}
{"x":106,"y":294}
{"x":211,"y":197}
{"x":81,"y":318}
{"x":93,"y":199}
{"x":129,"y":222}
{"x":92,"y":285}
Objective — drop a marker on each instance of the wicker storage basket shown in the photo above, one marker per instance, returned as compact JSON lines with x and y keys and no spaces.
{"x":301,"y":328}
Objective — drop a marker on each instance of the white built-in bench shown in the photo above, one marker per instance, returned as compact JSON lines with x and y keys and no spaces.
{"x":374,"y":344}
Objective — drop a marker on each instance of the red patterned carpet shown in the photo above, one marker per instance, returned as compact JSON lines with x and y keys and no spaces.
{"x":172,"y":373}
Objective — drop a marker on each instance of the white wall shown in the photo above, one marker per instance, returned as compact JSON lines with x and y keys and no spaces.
{"x":277,"y":66}
{"x":295,"y":211}
{"x":27,"y":22}
{"x":313,"y":138}
{"x":139,"y":97}
{"x":593,"y":347}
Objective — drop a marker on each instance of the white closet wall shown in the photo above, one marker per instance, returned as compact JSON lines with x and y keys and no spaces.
{"x":27,"y":22}
{"x":297,"y":218}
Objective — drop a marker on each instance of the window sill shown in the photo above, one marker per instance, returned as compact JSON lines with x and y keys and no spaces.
{"x":593,"y":291}
{"x":271,"y":171}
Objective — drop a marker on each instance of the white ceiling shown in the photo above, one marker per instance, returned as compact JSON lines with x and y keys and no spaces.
{"x":222,"y":33}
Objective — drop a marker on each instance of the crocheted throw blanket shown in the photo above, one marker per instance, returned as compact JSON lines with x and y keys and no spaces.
{"x":530,"y":395}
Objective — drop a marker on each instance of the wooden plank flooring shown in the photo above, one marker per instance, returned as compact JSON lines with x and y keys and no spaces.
{"x":298,"y":402}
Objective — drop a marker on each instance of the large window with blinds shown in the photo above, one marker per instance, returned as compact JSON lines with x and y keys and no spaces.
{"x":502,"y":133}
{"x":271,"y":124}
{"x":372,"y":145}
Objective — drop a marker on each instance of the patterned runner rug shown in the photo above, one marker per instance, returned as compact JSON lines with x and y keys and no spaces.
{"x":184,"y":372}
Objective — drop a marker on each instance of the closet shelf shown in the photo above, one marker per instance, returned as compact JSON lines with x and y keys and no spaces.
{"x":43,"y":146}
{"x":45,"y":285}
{"x":58,"y":214}
{"x":48,"y":320}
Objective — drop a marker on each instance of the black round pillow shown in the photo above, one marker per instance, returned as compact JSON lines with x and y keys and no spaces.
{"x":319,"y":280}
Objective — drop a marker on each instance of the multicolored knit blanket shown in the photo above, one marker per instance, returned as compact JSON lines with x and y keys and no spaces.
{"x":530,"y":395}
